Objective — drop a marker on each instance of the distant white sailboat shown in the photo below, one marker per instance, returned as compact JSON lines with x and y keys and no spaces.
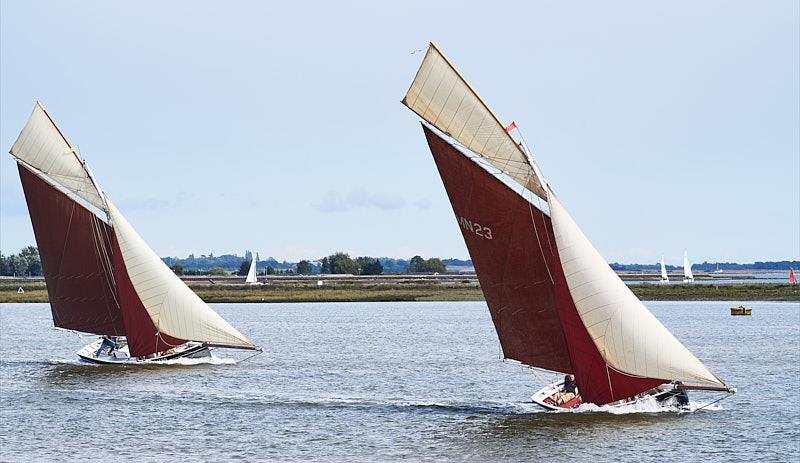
{"x":687,"y":269}
{"x":251,"y":274}
{"x":664,"y":277}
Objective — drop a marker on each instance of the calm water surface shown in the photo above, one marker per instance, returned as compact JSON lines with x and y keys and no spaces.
{"x":384,"y":381}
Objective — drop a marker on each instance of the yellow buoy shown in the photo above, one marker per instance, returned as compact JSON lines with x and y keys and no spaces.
{"x":741,"y":310}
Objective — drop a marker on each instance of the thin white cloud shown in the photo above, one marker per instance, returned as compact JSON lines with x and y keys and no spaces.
{"x":334,"y":201}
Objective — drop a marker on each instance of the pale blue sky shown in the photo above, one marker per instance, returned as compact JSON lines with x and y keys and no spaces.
{"x":277,"y":126}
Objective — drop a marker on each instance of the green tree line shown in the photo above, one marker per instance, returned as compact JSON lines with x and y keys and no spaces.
{"x":24,"y":263}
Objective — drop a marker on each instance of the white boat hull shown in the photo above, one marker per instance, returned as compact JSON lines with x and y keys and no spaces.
{"x":121,"y":356}
{"x":543,"y":397}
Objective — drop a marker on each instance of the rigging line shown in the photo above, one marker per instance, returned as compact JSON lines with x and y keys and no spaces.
{"x":541,"y":380}
{"x":99,"y":244}
{"x":712,"y":403}
{"x":538,"y":241}
{"x":258,"y":352}
{"x":61,"y":260}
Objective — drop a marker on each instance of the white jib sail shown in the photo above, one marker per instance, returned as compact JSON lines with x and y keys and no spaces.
{"x":174,"y":308}
{"x":41,"y":145}
{"x":664,"y":276}
{"x":687,"y":269}
{"x":441,"y":96}
{"x":628,"y":336}
{"x":251,"y":274}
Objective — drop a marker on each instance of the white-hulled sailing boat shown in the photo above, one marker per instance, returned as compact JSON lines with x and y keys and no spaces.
{"x":555,"y":302}
{"x":101,"y":276}
{"x":687,"y":269}
{"x":664,"y":276}
{"x":251,"y":274}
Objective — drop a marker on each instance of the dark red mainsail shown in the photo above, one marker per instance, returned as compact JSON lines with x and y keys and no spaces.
{"x":74,"y":246}
{"x":513,"y":248}
{"x":500,"y":229}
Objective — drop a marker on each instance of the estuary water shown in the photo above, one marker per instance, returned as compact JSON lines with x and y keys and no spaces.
{"x":384,"y":382}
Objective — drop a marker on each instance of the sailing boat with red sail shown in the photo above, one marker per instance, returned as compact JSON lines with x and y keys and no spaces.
{"x":101,"y":276}
{"x":554,"y":301}
{"x":792,"y":278}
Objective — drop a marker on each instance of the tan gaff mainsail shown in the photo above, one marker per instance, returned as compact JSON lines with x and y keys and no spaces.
{"x":441,"y":96}
{"x":42,"y":146}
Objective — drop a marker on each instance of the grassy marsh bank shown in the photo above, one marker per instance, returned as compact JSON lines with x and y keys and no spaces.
{"x":411,"y":289}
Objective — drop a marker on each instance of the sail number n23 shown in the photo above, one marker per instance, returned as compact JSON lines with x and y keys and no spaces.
{"x":475,"y":227}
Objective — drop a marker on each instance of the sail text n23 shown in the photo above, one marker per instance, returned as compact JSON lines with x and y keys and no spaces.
{"x":475,"y":227}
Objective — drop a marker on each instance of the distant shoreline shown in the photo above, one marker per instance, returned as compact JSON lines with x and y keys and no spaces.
{"x":408,"y":288}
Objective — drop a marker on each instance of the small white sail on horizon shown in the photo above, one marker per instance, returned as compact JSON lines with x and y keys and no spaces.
{"x":687,"y":269}
{"x":251,"y":274}
{"x":664,"y":276}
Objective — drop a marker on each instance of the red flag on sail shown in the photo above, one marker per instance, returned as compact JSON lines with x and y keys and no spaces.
{"x":511,"y":126}
{"x":792,"y":278}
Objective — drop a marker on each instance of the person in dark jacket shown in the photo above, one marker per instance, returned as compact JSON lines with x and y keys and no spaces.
{"x":570,"y":385}
{"x":568,"y":392}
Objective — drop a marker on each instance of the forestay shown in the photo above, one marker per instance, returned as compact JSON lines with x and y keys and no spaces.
{"x":441,"y":96}
{"x":41,"y":145}
{"x":629,"y":338}
{"x":174,"y":308}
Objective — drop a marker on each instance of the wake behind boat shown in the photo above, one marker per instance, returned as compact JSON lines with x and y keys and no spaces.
{"x":101,"y":277}
{"x":555,"y":302}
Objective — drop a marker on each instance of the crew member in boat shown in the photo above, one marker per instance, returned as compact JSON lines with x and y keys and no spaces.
{"x":106,"y":343}
{"x":569,"y":391}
